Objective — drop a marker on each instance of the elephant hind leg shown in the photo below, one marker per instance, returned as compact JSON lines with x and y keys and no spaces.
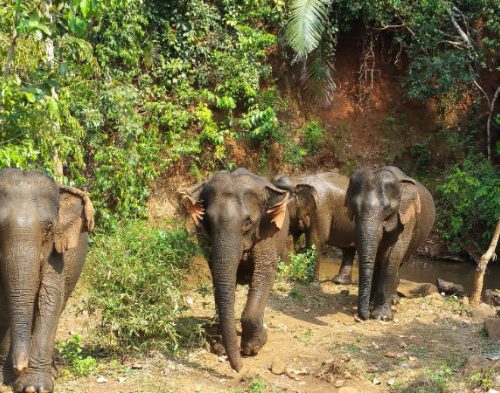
{"x":344,"y":275}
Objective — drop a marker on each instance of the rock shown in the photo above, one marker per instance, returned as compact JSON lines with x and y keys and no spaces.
{"x":492,"y":327}
{"x":339,"y":383}
{"x":278,"y":367}
{"x":450,"y":288}
{"x":408,"y":288}
{"x":344,"y":292}
{"x":492,"y":297}
{"x":482,"y":312}
{"x":347,"y":389}
{"x":479,"y":363}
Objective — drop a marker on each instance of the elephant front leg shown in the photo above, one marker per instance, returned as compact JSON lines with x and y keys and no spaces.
{"x":386,"y":284}
{"x":254,"y":335}
{"x":39,"y":377}
{"x":7,"y":375}
{"x":345,"y":271}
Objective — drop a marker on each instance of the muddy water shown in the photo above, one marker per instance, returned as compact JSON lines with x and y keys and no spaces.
{"x":421,"y":269}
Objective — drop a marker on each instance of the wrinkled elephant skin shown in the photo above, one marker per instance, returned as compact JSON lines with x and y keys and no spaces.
{"x":317,"y":209}
{"x":43,"y":244}
{"x":393,"y":216}
{"x":246,"y":220}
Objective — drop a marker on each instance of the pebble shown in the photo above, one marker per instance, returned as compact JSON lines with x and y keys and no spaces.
{"x":278,"y":367}
{"x":339,"y":383}
{"x":101,"y":379}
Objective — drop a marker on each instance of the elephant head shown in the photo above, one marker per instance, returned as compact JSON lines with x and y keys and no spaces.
{"x":237,"y":209}
{"x":37,"y":217}
{"x":302,"y":204}
{"x":380,"y":201}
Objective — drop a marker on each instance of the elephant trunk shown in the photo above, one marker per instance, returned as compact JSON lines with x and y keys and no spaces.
{"x":368,"y":236}
{"x":226,"y":255}
{"x":21,"y":273}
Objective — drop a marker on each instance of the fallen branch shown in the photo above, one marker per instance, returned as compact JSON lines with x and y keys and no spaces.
{"x":460,"y":31}
{"x":477,"y":286}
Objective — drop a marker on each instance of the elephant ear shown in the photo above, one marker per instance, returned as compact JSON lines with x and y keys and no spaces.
{"x":399,"y":174}
{"x":347,"y":202}
{"x":193,"y":203}
{"x":75,"y":216}
{"x":307,"y":197}
{"x":276,"y":208}
{"x":409,"y":206}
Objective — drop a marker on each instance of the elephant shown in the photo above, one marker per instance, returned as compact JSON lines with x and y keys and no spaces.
{"x":246,"y":219}
{"x":317,"y":209}
{"x":43,"y":244}
{"x":393,"y":216}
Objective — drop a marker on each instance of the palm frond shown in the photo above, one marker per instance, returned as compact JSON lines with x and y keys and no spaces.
{"x":317,"y":77}
{"x":306,"y":23}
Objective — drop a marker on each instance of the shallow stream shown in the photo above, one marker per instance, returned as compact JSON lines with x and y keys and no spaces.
{"x":420,"y":269}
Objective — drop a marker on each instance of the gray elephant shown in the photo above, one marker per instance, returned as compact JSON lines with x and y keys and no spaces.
{"x":317,"y":209}
{"x":43,"y":244}
{"x":393,"y":216}
{"x":247,"y":221}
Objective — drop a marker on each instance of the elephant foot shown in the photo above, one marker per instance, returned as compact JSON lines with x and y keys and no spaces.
{"x":342,"y":279}
{"x":34,"y":382}
{"x":7,"y":376}
{"x":253,"y":345}
{"x":382,"y":313}
{"x":394,"y":299}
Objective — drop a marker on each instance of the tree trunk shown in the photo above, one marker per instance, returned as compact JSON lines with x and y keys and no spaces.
{"x":477,"y":286}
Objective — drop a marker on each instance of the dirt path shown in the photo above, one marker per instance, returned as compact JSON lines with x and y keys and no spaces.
{"x":315,"y":340}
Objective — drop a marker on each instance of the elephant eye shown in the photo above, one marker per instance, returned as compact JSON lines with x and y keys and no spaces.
{"x":247,"y":225}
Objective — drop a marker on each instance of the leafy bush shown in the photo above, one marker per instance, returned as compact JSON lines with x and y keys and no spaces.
{"x":71,"y":351}
{"x":468,"y":200}
{"x":135,"y":278}
{"x":313,"y":135}
{"x":301,"y":266}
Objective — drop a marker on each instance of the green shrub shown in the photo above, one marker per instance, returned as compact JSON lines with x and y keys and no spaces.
{"x":301,"y":266}
{"x":71,"y":351}
{"x":134,"y":279}
{"x":313,"y":135}
{"x":469,"y":205}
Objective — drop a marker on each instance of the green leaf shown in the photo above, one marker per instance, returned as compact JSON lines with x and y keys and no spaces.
{"x":85,"y":7}
{"x":30,"y":97}
{"x":307,"y":21}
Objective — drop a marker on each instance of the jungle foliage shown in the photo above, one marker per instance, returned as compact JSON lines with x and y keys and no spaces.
{"x":115,"y":92}
{"x":109,"y":94}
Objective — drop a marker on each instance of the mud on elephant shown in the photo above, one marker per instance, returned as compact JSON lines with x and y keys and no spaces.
{"x":247,"y":221}
{"x":43,"y":244}
{"x":393,"y":216}
{"x":317,"y":209}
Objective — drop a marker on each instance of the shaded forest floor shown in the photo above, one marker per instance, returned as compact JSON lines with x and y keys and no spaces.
{"x":314,"y":340}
